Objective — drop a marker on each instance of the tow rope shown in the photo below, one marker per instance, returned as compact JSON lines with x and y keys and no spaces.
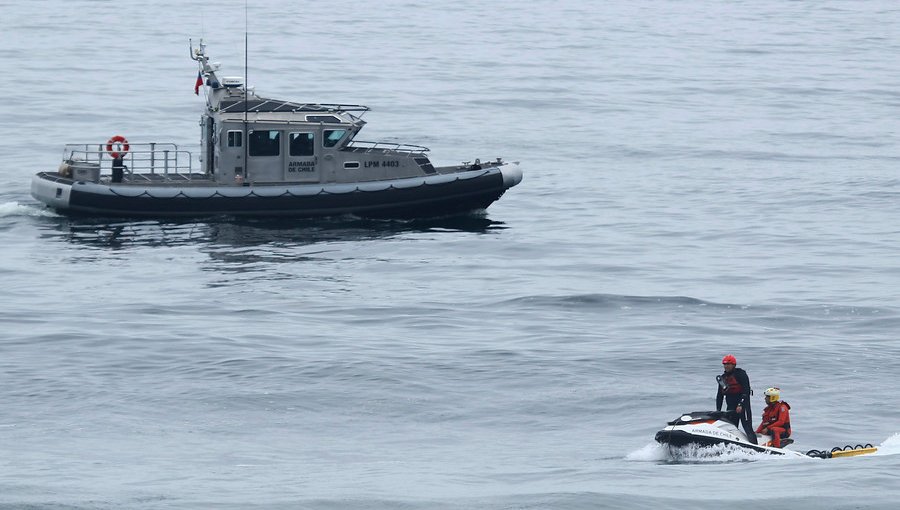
{"x":846,"y":451}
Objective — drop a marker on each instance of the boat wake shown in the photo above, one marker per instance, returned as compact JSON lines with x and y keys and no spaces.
{"x":11,"y":209}
{"x":695,"y":454}
{"x":890,"y":446}
{"x":724,"y":453}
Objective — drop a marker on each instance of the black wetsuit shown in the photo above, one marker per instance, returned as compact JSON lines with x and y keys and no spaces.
{"x":737,"y":393}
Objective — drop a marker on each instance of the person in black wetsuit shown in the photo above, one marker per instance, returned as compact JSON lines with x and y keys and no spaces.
{"x":734,"y":389}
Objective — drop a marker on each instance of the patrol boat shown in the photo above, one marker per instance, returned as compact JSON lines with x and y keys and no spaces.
{"x":268,"y":157}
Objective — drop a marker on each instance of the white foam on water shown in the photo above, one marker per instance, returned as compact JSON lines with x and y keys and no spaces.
{"x":651,"y":452}
{"x":10,"y":209}
{"x":655,"y":452}
{"x":890,"y":446}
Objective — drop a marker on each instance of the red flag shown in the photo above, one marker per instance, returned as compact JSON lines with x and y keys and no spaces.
{"x":198,"y":83}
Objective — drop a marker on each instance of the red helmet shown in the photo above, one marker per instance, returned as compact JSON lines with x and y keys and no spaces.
{"x":729,"y":359}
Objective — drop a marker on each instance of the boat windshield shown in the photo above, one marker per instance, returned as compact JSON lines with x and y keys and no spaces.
{"x":333,"y":136}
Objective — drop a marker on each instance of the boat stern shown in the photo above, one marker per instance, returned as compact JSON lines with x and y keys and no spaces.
{"x":52,"y":190}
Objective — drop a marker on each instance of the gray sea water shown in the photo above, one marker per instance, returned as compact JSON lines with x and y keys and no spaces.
{"x":701,"y":178}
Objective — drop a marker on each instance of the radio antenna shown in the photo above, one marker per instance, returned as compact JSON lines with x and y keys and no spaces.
{"x":246,"y":48}
{"x":246,"y":95}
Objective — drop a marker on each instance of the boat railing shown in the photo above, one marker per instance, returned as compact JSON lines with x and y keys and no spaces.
{"x":260,"y":105}
{"x":355,"y":110}
{"x":400,"y":148}
{"x":148,"y":162}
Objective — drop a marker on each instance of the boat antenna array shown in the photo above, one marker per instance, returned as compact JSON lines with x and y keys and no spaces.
{"x":246,"y":141}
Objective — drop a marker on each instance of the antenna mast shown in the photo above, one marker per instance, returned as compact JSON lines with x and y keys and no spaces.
{"x":246,"y":98}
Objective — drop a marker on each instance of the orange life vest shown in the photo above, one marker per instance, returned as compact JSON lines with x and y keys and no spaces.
{"x":777,"y":414}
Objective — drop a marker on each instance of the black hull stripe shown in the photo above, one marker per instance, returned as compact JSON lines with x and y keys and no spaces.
{"x":682,"y":438}
{"x":422,"y":201}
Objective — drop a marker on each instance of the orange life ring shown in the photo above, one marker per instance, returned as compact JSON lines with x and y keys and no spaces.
{"x":120,"y":151}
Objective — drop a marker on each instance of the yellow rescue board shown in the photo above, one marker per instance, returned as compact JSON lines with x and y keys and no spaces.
{"x":853,"y":453}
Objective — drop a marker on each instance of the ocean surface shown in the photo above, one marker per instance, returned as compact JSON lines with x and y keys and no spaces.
{"x":701,"y":178}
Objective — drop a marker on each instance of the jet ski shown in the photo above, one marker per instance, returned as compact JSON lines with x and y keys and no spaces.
{"x":709,"y":428}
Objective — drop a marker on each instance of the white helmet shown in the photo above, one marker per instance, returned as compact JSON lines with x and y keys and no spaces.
{"x":773,"y":393}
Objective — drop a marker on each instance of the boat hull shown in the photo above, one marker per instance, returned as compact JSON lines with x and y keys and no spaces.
{"x":683,"y":438}
{"x":711,"y":428}
{"x":435,"y":195}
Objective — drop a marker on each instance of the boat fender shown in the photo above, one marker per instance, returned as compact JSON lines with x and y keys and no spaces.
{"x":117,"y":146}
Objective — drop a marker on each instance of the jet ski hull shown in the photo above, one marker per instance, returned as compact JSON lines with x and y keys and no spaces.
{"x":711,"y":428}
{"x":683,"y":438}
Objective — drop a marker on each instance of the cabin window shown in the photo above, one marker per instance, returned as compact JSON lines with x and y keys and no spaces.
{"x":235,"y":139}
{"x":302,"y":144}
{"x":322,"y":118}
{"x":351,"y":164}
{"x":265,"y":143}
{"x":333,"y":136}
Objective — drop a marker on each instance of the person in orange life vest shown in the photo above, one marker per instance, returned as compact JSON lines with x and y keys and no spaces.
{"x":734,"y":389}
{"x":776,"y":419}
